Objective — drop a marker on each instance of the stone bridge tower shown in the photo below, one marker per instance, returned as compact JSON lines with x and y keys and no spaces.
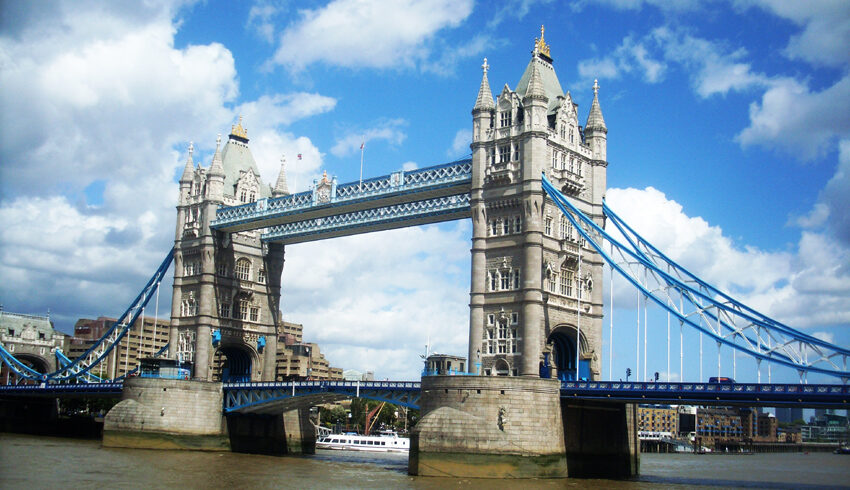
{"x":534,"y":282}
{"x":225,"y":303}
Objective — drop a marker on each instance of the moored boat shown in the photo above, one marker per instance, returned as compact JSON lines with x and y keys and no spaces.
{"x":384,"y":442}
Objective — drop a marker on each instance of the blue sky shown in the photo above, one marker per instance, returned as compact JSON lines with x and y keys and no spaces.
{"x":728,"y":145}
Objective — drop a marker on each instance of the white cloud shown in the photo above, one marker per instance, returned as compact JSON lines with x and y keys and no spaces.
{"x":598,"y":68}
{"x":674,"y":6}
{"x":836,"y":195}
{"x":460,"y":145}
{"x":388,"y":130}
{"x":408,"y":166}
{"x":790,"y":117}
{"x":826,"y":29}
{"x":630,"y":56}
{"x":793,"y":118}
{"x":368,"y":34}
{"x":105,"y":100}
{"x":715,"y":69}
{"x":815,"y":218}
{"x":271,"y":111}
{"x":261,"y":19}
{"x":390,"y":291}
{"x":806,"y":288}
{"x":516,"y":9}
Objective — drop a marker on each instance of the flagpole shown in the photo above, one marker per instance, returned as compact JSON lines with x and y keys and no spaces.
{"x":362,"y":146}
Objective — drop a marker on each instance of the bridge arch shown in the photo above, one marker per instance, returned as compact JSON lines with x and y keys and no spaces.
{"x":562,"y":342}
{"x":34,"y":361}
{"x":502,"y":368}
{"x":234,"y":362}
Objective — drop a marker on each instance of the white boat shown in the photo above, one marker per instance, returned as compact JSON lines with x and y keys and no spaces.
{"x":384,"y":442}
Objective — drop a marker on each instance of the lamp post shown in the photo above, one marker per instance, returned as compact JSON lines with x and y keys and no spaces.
{"x":478,"y":362}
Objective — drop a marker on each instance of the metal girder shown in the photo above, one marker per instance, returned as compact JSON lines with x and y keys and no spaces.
{"x":81,"y":366}
{"x":281,"y":396}
{"x":745,"y":394}
{"x":389,"y":217}
{"x":63,"y":390}
{"x":700,"y":306}
{"x":396,"y":188}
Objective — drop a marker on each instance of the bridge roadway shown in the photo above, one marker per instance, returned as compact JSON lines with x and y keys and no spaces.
{"x":276,"y":397}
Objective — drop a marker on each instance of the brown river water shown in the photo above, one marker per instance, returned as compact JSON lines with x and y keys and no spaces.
{"x":34,"y":462}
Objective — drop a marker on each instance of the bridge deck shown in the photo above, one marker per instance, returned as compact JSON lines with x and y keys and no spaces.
{"x":746,"y":394}
{"x":274,"y":397}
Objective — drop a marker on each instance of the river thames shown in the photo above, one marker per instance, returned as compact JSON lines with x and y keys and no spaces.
{"x":30,"y":462}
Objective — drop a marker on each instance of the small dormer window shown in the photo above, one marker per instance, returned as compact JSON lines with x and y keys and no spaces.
{"x":243,"y":196}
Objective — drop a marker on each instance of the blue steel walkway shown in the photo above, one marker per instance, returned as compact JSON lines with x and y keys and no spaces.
{"x":746,"y":394}
{"x":403,"y":198}
{"x":282,"y":396}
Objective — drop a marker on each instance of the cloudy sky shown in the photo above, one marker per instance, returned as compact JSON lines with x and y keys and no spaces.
{"x":729,"y":147}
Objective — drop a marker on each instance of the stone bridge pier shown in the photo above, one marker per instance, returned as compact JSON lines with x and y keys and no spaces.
{"x":179,"y":414}
{"x":519,"y":427}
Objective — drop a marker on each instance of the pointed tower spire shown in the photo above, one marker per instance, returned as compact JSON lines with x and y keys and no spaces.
{"x":188,"y":171}
{"x":535,"y":81}
{"x":595,"y":119}
{"x":216,"y":168}
{"x":485,"y":97}
{"x":280,"y":188}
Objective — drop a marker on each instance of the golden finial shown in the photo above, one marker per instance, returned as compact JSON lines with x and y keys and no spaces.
{"x":238,"y":130}
{"x":541,"y":45}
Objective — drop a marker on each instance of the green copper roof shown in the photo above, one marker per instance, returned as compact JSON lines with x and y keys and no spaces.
{"x":551,"y":85}
{"x":235,"y":158}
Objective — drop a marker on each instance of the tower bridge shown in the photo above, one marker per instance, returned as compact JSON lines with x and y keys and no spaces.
{"x":533,"y":402}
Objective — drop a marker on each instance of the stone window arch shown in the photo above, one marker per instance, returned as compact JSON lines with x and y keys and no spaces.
{"x":243,"y":269}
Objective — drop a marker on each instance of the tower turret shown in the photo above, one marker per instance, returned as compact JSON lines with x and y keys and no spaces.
{"x":188,"y":176}
{"x":216,"y":175}
{"x":595,"y":131}
{"x":281,"y":188}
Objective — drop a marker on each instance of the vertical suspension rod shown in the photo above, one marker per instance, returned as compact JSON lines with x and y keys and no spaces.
{"x":611,"y":327}
{"x":637,"y":340}
{"x":645,"y":326}
{"x":578,"y":316}
{"x":155,"y":319}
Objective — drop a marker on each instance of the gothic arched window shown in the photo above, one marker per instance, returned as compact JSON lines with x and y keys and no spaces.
{"x":243,"y":269}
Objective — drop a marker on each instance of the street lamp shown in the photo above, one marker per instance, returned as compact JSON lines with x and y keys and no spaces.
{"x":478,"y":362}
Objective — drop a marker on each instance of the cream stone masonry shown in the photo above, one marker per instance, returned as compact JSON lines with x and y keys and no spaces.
{"x":534,"y":283}
{"x":226,"y":285}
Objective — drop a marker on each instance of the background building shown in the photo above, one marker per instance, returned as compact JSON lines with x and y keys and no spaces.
{"x":144,"y":339}
{"x":31,"y":339}
{"x":658,"y":419}
{"x":789,"y":415}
